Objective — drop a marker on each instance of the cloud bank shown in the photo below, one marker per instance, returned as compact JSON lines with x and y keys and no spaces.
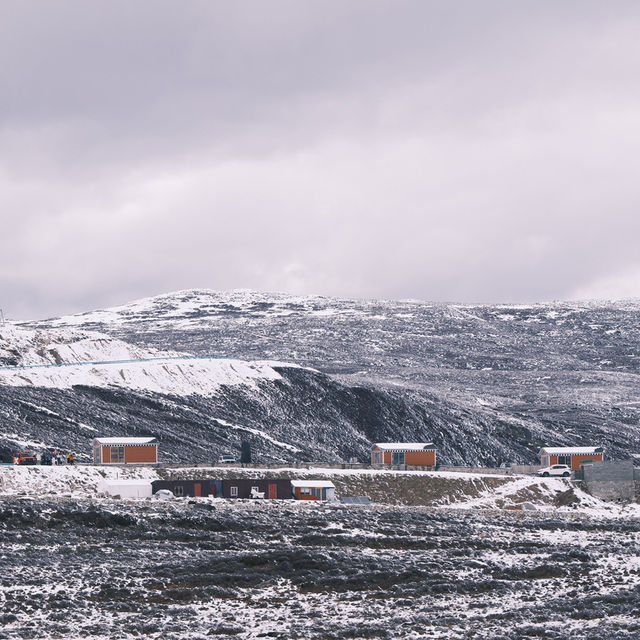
{"x":446,"y":151}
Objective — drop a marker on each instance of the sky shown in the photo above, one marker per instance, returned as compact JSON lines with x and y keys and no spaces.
{"x":439,"y":150}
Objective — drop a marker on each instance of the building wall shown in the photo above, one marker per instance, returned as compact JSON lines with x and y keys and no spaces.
{"x":304,"y":496}
{"x":132,"y":455}
{"x":575,"y":460}
{"x":143,"y":454}
{"x":611,"y":480}
{"x":411,"y":458}
{"x":278,"y":488}
{"x":190,"y":488}
{"x":420,"y":458}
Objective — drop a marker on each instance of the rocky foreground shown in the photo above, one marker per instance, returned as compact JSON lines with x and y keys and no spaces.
{"x":106,"y":569}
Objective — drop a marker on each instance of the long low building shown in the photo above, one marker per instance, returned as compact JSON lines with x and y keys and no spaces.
{"x":243,"y":488}
{"x":190,"y":488}
{"x":131,"y":488}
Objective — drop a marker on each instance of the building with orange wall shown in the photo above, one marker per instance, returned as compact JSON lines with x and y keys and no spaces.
{"x":313,"y":490}
{"x":125,"y":451}
{"x":571,"y":456}
{"x":415,"y":454}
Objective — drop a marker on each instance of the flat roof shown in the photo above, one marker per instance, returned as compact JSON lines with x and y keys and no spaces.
{"x":313,"y":484}
{"x":126,"y":441}
{"x":568,"y":451}
{"x":405,"y":446}
{"x":134,"y":482}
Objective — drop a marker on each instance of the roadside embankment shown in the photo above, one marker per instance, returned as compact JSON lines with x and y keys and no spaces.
{"x":397,"y":488}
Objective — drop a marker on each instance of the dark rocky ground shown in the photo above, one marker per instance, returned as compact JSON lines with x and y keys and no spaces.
{"x":252,"y":570}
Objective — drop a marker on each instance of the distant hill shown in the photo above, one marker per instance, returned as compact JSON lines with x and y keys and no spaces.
{"x":488,"y":384}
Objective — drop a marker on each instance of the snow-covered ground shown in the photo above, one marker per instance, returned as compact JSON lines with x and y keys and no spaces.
{"x":64,"y":358}
{"x":195,"y":569}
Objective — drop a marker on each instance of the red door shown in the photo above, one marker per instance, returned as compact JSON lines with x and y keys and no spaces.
{"x":197,"y":489}
{"x":273,"y":491}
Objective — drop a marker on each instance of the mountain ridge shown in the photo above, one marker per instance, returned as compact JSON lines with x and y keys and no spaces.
{"x":487,"y":383}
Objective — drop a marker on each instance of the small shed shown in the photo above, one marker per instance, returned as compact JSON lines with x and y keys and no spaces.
{"x":272,"y":489}
{"x":125,"y":488}
{"x":125,"y":451}
{"x":313,"y":490}
{"x":571,"y":456}
{"x":418,"y":454}
{"x":190,"y":488}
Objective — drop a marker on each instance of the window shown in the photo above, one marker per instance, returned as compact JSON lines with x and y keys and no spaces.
{"x":376,"y":457}
{"x":564,"y":459}
{"x":179,"y":491}
{"x":397,"y":458}
{"x":234,"y":492}
{"x":305,"y":490}
{"x":117,"y":455}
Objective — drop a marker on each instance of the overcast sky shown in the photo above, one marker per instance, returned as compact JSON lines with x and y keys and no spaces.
{"x":475,"y":151}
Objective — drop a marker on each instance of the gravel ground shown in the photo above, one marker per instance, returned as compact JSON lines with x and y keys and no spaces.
{"x":201,"y":569}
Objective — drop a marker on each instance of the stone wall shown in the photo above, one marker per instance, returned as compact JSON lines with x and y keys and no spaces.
{"x":610,"y":480}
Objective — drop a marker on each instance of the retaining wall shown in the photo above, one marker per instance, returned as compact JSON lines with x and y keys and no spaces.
{"x":610,"y":480}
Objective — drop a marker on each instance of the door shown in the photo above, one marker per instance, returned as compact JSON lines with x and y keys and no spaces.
{"x":197,"y":489}
{"x":273,"y":491}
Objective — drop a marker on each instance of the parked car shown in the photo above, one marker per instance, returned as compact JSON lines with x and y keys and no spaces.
{"x":163,"y":494}
{"x":226,"y":459}
{"x":24,"y":458}
{"x":562,"y":470}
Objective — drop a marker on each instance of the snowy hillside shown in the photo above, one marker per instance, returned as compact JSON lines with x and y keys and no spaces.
{"x":62,"y":359}
{"x":486,"y":383}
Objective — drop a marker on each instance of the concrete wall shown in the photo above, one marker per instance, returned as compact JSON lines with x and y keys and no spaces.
{"x":507,"y":471}
{"x":610,"y":480}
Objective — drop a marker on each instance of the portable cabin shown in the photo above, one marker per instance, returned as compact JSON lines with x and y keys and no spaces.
{"x":571,"y":456}
{"x":125,"y":451}
{"x":418,"y":454}
{"x":313,"y":490}
{"x":272,"y":489}
{"x":125,"y":488}
{"x":190,"y":488}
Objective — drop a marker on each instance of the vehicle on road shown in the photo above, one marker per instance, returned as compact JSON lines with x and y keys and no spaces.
{"x":24,"y":458}
{"x":226,"y":459}
{"x":562,"y":470}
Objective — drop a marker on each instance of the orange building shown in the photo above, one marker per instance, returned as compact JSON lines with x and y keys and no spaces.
{"x":418,"y":454}
{"x":125,"y":451}
{"x":571,"y":456}
{"x":313,"y":490}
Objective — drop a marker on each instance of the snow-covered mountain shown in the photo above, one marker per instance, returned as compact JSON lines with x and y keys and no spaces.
{"x":63,"y":359}
{"x":486,"y":383}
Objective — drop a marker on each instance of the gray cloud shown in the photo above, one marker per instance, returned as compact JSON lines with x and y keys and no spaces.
{"x":451,"y":151}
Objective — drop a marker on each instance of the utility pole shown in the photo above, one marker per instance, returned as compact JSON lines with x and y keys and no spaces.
{"x":1,"y":318}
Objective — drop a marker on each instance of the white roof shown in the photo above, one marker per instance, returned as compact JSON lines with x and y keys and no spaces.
{"x":405,"y":446}
{"x":126,"y":483}
{"x":567,"y":451}
{"x":313,"y":484}
{"x":126,"y":441}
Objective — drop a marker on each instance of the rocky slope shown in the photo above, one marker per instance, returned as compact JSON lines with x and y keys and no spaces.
{"x":256,"y":569}
{"x":486,"y":383}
